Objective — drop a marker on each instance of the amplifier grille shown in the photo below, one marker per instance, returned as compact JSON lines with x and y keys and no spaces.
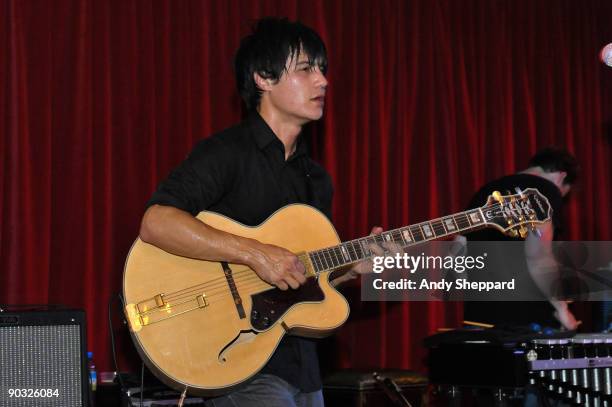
{"x":40,"y":366}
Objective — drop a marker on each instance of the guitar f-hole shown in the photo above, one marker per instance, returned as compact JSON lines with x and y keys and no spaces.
{"x":242,"y":337}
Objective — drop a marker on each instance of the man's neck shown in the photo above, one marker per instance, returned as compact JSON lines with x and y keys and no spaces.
{"x":553,"y":177}
{"x":286,"y":130}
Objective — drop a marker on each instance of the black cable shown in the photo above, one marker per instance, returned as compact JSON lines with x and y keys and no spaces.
{"x":112,"y":337}
{"x":391,"y":390}
{"x":141,"y":383}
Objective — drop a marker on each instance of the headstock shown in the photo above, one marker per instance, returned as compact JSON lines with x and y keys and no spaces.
{"x":515,"y":214}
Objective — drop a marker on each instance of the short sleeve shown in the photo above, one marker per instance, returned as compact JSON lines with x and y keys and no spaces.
{"x":201,"y":180}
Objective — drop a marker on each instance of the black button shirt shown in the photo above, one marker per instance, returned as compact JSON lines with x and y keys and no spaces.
{"x":514,"y":313}
{"x":241,"y":173}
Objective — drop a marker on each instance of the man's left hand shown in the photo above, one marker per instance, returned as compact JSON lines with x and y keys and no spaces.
{"x":385,"y":249}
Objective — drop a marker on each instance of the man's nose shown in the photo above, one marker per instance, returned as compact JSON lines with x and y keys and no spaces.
{"x":320,"y":80}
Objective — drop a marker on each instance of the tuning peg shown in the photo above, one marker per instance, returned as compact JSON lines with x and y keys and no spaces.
{"x":497,"y":196}
{"x":532,"y":221}
{"x":513,"y":233}
{"x":523,"y":232}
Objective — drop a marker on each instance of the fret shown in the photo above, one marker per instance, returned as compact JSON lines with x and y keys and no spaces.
{"x":377,"y":239}
{"x":408,"y":239}
{"x":397,"y":237}
{"x":449,"y":224}
{"x":417,"y":234}
{"x":324,"y":259}
{"x":314,"y":261}
{"x":386,"y":236}
{"x":358,"y":249}
{"x":364,"y":246}
{"x":475,"y":217}
{"x":359,"y":255}
{"x":338,"y":254}
{"x":334,"y":257}
{"x":462,"y":221}
{"x":345,"y":254}
{"x":438,"y":228}
{"x":350,"y":249}
{"x":427,"y":230}
{"x":315,"y":255}
{"x":330,"y":253}
{"x":320,"y":260}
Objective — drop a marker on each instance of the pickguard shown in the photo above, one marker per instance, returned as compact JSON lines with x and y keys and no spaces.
{"x":268,"y":306}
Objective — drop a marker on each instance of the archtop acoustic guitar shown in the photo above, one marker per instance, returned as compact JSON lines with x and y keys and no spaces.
{"x":210,"y":326}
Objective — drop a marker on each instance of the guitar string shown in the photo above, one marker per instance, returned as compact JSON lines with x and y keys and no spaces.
{"x":220,"y":283}
{"x":186,"y":293}
{"x":216,"y":296}
{"x":239,"y":277}
{"x":224,"y":293}
{"x":243,"y":283}
{"x":236,"y":274}
{"x":251,"y":285}
{"x":254,"y":282}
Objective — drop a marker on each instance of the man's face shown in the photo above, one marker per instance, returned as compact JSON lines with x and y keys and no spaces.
{"x":560,"y":181}
{"x":299,"y":94}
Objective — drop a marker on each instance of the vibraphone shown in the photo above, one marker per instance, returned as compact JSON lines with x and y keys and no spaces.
{"x":577,"y":370}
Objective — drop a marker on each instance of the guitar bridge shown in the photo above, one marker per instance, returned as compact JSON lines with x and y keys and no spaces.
{"x":159,"y":308}
{"x":133,"y":318}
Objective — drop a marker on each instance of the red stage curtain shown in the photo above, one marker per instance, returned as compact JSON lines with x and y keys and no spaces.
{"x":427,"y":101}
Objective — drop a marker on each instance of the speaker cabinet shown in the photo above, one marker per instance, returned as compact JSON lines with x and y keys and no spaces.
{"x":43,"y":359}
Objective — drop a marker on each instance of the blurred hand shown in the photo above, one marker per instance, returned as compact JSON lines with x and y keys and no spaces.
{"x":386,"y":249}
{"x":565,"y":316}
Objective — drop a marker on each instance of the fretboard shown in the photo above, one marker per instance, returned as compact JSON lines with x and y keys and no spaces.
{"x":357,"y":250}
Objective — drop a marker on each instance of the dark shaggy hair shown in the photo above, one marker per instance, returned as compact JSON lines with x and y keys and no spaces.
{"x":552,"y":159}
{"x":266,"y":50}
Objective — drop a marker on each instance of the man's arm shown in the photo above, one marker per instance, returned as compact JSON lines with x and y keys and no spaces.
{"x":543,"y":269}
{"x":178,"y":232}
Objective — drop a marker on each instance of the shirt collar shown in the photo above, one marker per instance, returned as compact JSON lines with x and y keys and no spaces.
{"x":263,"y":135}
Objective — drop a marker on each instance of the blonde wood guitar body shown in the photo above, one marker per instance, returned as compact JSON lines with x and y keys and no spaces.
{"x":196,"y":328}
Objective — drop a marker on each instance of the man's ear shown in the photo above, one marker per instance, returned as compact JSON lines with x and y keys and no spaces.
{"x":563,"y":187}
{"x":560,"y":177}
{"x":261,"y":82}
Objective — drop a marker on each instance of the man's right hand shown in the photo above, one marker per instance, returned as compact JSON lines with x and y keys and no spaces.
{"x":565,"y":316}
{"x":277,"y":266}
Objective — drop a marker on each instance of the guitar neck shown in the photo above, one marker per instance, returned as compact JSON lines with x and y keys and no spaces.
{"x":353,"y":251}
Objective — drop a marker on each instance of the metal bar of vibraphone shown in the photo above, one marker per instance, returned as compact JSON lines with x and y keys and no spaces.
{"x":579,"y":371}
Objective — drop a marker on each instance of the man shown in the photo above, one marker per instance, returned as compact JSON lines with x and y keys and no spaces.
{"x":248,"y":172}
{"x":552,"y":171}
